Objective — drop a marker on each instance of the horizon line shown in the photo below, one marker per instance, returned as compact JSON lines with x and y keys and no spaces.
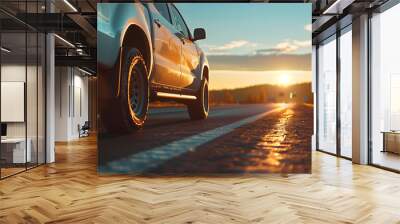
{"x":265,"y":84}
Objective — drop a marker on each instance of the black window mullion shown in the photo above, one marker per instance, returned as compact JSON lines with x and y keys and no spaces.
{"x":37,"y":90}
{"x":317,"y":96}
{"x":369,"y":100}
{"x":45,"y":88}
{"x":26,"y":87}
{"x":338,"y":76}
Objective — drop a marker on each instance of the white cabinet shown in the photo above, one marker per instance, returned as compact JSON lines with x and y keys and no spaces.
{"x":17,"y":147}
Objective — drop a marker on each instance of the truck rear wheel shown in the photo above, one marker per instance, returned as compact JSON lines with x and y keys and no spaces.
{"x":198,"y":109}
{"x":134,"y":92}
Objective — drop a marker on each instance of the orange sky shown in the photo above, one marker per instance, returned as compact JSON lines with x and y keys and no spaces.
{"x":225,"y":79}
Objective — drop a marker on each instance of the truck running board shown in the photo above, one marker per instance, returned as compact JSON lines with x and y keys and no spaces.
{"x":176,"y":96}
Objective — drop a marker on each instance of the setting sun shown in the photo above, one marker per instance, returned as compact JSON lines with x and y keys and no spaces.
{"x":284,"y":80}
{"x":230,"y":79}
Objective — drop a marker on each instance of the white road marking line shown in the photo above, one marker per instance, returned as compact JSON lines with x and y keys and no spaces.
{"x":152,"y":158}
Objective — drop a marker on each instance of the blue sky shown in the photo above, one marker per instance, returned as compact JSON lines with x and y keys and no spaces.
{"x":251,"y":28}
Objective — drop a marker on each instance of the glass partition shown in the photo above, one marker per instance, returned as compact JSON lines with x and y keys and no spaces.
{"x":385,"y":89}
{"x":327,"y":95}
{"x":22,"y":88}
{"x":14,"y":153}
{"x":346,"y":93}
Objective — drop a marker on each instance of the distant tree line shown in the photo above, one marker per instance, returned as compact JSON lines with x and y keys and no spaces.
{"x":298,"y":93}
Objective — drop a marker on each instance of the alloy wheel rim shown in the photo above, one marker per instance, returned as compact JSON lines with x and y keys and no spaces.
{"x":205,"y":98}
{"x":137,"y":93}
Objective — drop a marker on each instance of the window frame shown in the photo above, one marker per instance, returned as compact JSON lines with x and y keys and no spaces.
{"x":168,"y":11}
{"x":326,"y":39}
{"x":184,"y":22}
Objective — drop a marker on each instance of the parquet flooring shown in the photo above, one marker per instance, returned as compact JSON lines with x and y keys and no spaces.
{"x":70,"y":191}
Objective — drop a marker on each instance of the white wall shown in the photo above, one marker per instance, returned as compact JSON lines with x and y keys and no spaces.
{"x":16,"y":73}
{"x":80,"y":112}
{"x":71,"y":93}
{"x":62,"y":82}
{"x":33,"y":127}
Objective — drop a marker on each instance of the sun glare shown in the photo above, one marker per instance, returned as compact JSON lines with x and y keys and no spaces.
{"x":284,"y":80}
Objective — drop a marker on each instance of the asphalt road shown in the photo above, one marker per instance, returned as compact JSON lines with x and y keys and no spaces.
{"x":256,"y":138}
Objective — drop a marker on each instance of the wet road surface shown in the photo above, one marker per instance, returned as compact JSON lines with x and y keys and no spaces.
{"x":268,"y":138}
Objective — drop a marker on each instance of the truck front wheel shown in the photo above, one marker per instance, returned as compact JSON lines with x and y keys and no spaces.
{"x":198,"y":109}
{"x":134,"y":92}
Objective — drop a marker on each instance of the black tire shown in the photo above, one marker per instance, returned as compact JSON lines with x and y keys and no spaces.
{"x":198,"y":109}
{"x":134,"y":92}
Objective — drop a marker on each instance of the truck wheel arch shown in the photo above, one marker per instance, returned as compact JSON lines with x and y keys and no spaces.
{"x":206,"y":73}
{"x":137,"y":38}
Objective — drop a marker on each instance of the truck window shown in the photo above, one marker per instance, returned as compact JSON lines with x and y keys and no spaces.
{"x":179,"y":22}
{"x":163,"y":10}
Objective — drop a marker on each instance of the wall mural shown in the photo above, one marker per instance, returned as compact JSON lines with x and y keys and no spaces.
{"x":204,"y":88}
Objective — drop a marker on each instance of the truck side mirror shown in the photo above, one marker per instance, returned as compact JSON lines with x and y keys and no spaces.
{"x":199,"y":34}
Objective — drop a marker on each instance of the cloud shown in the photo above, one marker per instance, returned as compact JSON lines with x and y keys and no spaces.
{"x":261,"y":62}
{"x":305,"y":43}
{"x":288,"y":46}
{"x":225,"y":48}
{"x":308,"y":27}
{"x":231,"y":45}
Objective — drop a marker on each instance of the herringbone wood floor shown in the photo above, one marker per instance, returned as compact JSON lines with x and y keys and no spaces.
{"x":70,"y":191}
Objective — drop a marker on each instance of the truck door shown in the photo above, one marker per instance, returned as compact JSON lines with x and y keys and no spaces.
{"x":167,"y":49}
{"x":190,"y":56}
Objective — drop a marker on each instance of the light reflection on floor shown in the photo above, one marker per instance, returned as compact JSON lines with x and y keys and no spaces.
{"x":386,"y":159}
